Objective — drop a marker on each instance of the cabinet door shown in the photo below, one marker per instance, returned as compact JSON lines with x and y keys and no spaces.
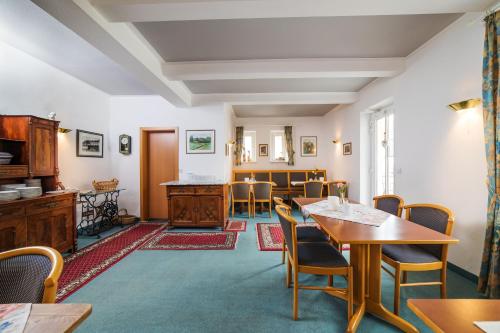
{"x":182,"y":210}
{"x":12,"y":233}
{"x":62,"y":229}
{"x":209,"y":210}
{"x":43,"y":161}
{"x":39,"y":228}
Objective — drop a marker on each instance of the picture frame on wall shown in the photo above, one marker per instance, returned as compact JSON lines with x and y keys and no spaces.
{"x":347,"y":148}
{"x":264,"y":150}
{"x":89,"y":144}
{"x":200,"y":141}
{"x":308,"y":146}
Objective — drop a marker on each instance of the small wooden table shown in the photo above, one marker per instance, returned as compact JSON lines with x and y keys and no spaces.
{"x":455,"y":315}
{"x":366,"y":258}
{"x":56,"y":318}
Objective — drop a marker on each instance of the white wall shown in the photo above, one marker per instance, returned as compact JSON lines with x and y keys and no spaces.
{"x":129,"y":114}
{"x":30,"y":86}
{"x":439,"y":154}
{"x":302,"y":126}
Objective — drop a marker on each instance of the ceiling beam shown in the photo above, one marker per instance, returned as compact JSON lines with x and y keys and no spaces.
{"x":181,"y":10}
{"x":277,"y":98}
{"x":121,"y":43}
{"x":284,"y":68}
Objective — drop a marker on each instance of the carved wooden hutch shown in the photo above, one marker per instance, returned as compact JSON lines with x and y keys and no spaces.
{"x":49,"y":220}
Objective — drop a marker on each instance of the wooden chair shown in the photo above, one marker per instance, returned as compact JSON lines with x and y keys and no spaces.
{"x":313,"y":189}
{"x":421,"y":257}
{"x":29,"y":275}
{"x":389,"y":203}
{"x":304,"y":233}
{"x":333,"y":189}
{"x":241,"y":192}
{"x":262,"y":194}
{"x":319,"y":258}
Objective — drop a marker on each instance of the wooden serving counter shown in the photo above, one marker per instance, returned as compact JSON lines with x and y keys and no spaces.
{"x":197,"y":204}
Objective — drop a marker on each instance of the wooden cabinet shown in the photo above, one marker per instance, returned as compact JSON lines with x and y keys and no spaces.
{"x":43,"y":140}
{"x":12,"y":233}
{"x":197,"y":205}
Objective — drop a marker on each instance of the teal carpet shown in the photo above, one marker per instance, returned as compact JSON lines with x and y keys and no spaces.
{"x":227,"y":291}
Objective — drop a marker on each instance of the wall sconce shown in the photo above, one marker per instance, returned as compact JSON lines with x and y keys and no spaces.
{"x":465,"y":105}
{"x":64,"y":130}
{"x":336,"y":141}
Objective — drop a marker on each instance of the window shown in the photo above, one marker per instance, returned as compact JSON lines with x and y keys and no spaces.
{"x":249,"y":147}
{"x":382,"y":127}
{"x":278,"y":147}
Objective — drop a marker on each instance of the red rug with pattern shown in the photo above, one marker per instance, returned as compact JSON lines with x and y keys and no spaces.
{"x":236,"y":226}
{"x":270,"y":236}
{"x":192,"y":241}
{"x":86,"y":264}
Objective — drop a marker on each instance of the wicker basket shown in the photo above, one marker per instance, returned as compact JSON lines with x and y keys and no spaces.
{"x":106,"y":185}
{"x":124,"y":217}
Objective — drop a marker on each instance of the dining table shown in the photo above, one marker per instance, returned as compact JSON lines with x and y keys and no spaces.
{"x":366,"y":257}
{"x":56,"y":318}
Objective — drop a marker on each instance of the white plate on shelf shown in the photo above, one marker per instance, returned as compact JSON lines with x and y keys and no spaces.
{"x":55,"y":192}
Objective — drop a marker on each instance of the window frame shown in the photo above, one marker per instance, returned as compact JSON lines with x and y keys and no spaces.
{"x":272,"y":135}
{"x":382,"y":113}
{"x":253,"y":135}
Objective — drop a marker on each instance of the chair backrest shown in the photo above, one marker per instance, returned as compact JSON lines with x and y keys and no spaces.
{"x":333,"y":190}
{"x":240,"y":176}
{"x":288,"y":225}
{"x":29,"y":275}
{"x":280,"y":202}
{"x":389,"y":203}
{"x":240,"y":191}
{"x":435,"y":217}
{"x":262,"y":190}
{"x":297,"y":176}
{"x":280,"y":178}
{"x":313,"y":189}
{"x":261,"y":176}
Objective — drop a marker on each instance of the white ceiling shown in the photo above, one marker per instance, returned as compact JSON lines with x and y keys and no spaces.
{"x":265,"y":58}
{"x":30,"y":29}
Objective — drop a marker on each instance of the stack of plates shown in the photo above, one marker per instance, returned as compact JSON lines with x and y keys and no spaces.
{"x":30,"y":192}
{"x":5,"y":158}
{"x":33,"y":182}
{"x":11,"y":187}
{"x":9,"y":195}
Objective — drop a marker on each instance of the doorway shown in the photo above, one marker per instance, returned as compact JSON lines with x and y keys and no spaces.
{"x":382,"y":137}
{"x":159,"y":163}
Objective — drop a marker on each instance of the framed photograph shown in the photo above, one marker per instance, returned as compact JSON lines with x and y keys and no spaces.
{"x":263,"y":150}
{"x":347,"y":148}
{"x":89,"y":144}
{"x":200,"y":141}
{"x":308,"y":146}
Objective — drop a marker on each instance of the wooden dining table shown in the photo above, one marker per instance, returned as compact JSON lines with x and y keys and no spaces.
{"x":56,"y":318}
{"x":366,"y":258}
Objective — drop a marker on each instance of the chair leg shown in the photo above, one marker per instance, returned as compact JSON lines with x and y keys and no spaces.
{"x":288,"y":272}
{"x":270,"y":209}
{"x":443,"y":282}
{"x":295,"y":294}
{"x":397,"y":289}
{"x":405,"y":276}
{"x":283,"y":251}
{"x":232,"y":211}
{"x":330,"y":280}
{"x":349,"y":294}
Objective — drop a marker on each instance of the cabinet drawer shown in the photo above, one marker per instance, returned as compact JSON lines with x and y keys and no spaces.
{"x":9,"y":212}
{"x":181,"y":190}
{"x":210,"y":190}
{"x":48,"y":205}
{"x":13,"y":171}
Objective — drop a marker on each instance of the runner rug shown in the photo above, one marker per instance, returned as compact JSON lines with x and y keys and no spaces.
{"x":270,"y":236}
{"x":236,"y":226}
{"x":86,"y":264}
{"x":192,"y":241}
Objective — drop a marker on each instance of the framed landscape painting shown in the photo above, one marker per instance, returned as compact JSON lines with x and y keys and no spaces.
{"x":309,"y":146}
{"x":200,"y":141}
{"x":263,"y":150}
{"x":89,"y":144}
{"x":347,"y":148}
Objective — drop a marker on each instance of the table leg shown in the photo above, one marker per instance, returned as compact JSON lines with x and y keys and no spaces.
{"x":358,"y":262}
{"x":374,"y":299}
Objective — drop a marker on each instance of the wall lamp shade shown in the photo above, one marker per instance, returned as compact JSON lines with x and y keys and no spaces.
{"x":464,"y":105}
{"x":336,"y":141}
{"x":63,"y":130}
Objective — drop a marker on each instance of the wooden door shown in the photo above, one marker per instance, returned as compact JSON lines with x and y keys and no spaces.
{"x":159,"y":164}
{"x":209,"y":209}
{"x":183,"y":211}
{"x":62,"y":228}
{"x":12,"y":233}
{"x":40,"y":230}
{"x":43,"y":158}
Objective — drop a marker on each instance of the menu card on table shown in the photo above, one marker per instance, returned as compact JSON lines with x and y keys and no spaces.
{"x":356,"y":213}
{"x":13,"y":317}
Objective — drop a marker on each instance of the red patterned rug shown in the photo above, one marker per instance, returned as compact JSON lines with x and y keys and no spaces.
{"x":270,"y":236}
{"x":86,"y":264}
{"x":192,"y":241}
{"x":236,"y":226}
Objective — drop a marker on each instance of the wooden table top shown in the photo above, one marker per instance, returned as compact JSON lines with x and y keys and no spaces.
{"x":455,"y":315}
{"x":393,"y":230}
{"x":56,"y":318}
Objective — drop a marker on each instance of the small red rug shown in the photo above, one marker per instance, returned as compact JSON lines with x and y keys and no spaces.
{"x":192,"y":241}
{"x":270,"y":236}
{"x":86,"y":264}
{"x":236,"y":226}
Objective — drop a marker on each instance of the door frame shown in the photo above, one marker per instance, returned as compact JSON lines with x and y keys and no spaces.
{"x":144,"y":162}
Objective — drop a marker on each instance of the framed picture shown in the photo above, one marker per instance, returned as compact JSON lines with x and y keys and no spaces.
{"x":308,"y":146}
{"x":125,"y":144}
{"x":347,"y":148}
{"x":200,"y":141}
{"x":89,"y":144}
{"x":263,"y":150}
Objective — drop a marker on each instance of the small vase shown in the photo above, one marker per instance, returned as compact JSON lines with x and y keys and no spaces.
{"x":342,"y":198}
